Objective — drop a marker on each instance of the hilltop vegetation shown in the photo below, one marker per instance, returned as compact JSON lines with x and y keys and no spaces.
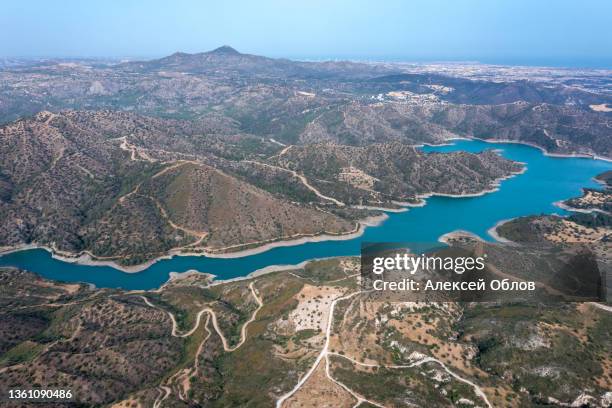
{"x":335,"y":101}
{"x":382,"y":173}
{"x":130,"y":188}
{"x":222,"y":151}
{"x":193,"y":343}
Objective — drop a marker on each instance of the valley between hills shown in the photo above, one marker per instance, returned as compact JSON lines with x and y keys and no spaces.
{"x":128,"y":188}
{"x":220,"y":152}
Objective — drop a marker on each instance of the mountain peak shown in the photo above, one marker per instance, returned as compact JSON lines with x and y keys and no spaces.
{"x":225,"y":49}
{"x":178,"y":54}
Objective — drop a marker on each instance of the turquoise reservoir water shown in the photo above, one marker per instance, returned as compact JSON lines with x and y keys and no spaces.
{"x":547,"y":179}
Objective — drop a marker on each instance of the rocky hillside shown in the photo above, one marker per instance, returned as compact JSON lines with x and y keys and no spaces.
{"x":122,"y":349}
{"x":79,"y":184}
{"x":381,"y":173}
{"x":129,"y":188}
{"x":556,"y":129}
{"x":298,"y":102}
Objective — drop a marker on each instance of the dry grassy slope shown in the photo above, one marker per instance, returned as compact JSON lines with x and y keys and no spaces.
{"x":363,"y":124}
{"x":50,"y":166}
{"x":592,"y":200}
{"x":204,"y":199}
{"x":71,"y":185}
{"x":110,"y":346}
{"x":133,"y":231}
{"x":61,"y":171}
{"x":116,"y":184}
{"x":306,"y":102}
{"x":558,"y":129}
{"x":399,"y":172}
{"x":97,"y":345}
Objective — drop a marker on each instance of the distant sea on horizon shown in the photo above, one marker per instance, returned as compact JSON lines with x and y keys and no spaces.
{"x":542,"y":62}
{"x":565,"y":62}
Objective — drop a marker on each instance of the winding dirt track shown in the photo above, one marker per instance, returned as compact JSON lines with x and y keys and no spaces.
{"x":166,"y":391}
{"x":601,"y":306}
{"x":213,"y":316}
{"x":325,"y":353}
{"x":302,"y":179}
{"x":477,"y":390}
{"x":322,"y":354}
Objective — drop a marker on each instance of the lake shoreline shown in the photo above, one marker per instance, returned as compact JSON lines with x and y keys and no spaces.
{"x":561,"y":204}
{"x":495,"y":235}
{"x":87,"y":259}
{"x":546,"y":152}
{"x":174,"y":276}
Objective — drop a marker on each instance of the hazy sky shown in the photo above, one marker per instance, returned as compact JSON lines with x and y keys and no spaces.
{"x":556,"y":32}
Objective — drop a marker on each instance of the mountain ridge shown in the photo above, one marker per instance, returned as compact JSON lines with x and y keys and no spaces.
{"x":130,"y":188}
